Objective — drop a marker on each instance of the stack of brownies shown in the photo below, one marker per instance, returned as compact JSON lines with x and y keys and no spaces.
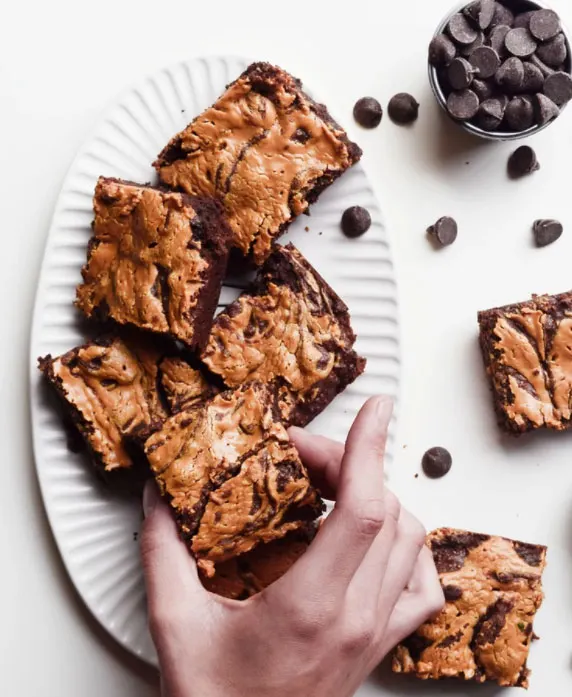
{"x":201,"y":403}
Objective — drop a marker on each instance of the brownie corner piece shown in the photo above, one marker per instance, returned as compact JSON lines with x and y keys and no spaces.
{"x":290,"y":329}
{"x":156,"y":260}
{"x":493,"y":589}
{"x":528,"y":358}
{"x":263,"y":140}
{"x":233,"y":478}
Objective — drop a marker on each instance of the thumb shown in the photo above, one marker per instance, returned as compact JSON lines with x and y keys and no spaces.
{"x":171,"y":576}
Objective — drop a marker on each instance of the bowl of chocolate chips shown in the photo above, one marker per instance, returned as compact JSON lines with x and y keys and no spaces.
{"x":503,"y":71}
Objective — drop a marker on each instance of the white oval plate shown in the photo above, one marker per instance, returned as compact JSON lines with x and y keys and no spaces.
{"x":94,"y":529}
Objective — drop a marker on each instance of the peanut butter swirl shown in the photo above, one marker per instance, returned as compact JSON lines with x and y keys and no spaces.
{"x":265,"y":149}
{"x":493,"y":590}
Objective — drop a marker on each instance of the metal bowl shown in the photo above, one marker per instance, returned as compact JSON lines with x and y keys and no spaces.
{"x":516,"y":6}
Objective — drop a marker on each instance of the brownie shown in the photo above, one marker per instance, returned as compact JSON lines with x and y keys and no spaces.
{"x":265,"y":149}
{"x":156,"y":260}
{"x":183,"y":385}
{"x":117,"y":391}
{"x":528,"y":356}
{"x":493,"y":589}
{"x":291,"y":329}
{"x":231,"y":475}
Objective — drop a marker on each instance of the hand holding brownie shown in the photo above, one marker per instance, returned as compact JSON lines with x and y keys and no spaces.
{"x":366,"y":583}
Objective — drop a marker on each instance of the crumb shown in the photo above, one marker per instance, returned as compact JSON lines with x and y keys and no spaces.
{"x":135,"y":536}
{"x":307,"y":229}
{"x":467,"y":162}
{"x":404,"y":446}
{"x":319,"y":233}
{"x":416,"y":475}
{"x":182,"y":111}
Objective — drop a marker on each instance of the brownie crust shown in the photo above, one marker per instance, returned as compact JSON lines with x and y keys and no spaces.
{"x":156,"y":260}
{"x":265,"y":149}
{"x":290,"y":329}
{"x":527,"y":353}
{"x":493,"y":589}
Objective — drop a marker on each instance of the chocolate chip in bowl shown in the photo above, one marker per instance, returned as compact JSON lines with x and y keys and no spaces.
{"x":516,"y":52}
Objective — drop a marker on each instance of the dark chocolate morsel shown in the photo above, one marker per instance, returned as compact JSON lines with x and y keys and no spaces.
{"x":483,"y":89}
{"x":444,"y":231}
{"x":437,"y":461}
{"x":523,"y":19}
{"x":519,"y":113}
{"x":467,"y":49}
{"x":544,"y":24}
{"x":553,"y":52}
{"x":558,"y":88}
{"x":545,"y":109}
{"x":497,"y":37}
{"x":510,"y":75}
{"x":541,"y":65}
{"x":502,"y":15}
{"x":480,"y":13}
{"x":452,"y":593}
{"x":460,"y":29}
{"x":403,"y":108}
{"x":522,"y":161}
{"x":441,"y":50}
{"x":460,"y":74}
{"x":368,"y":112}
{"x":533,"y":78}
{"x":546,"y":232}
{"x":490,"y":114}
{"x":463,"y":105}
{"x":486,"y":61}
{"x":520,"y":43}
{"x":355,"y":221}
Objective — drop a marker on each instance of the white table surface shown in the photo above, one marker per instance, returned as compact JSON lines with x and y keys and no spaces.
{"x":62,"y":61}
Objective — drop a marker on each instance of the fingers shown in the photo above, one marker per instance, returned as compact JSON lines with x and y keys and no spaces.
{"x":322,"y":457}
{"x":170,"y":572}
{"x":348,"y":533}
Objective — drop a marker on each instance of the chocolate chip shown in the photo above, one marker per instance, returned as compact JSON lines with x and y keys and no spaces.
{"x":480,"y":13}
{"x":452,"y":593}
{"x":490,"y":114}
{"x":522,"y":161}
{"x":460,"y":74}
{"x":520,"y":43}
{"x":469,"y":48}
{"x":558,"y":88}
{"x":368,"y":112}
{"x":523,"y":20}
{"x":553,"y":52}
{"x":533,"y":78}
{"x":437,"y":461}
{"x":510,"y":75}
{"x":502,"y":15}
{"x":483,"y":90}
{"x":544,"y":69}
{"x":519,"y":113}
{"x":355,"y":221}
{"x":531,"y":554}
{"x":546,"y":231}
{"x":497,"y":37}
{"x":403,"y":108}
{"x":460,"y":30}
{"x":463,"y":105}
{"x":485,"y":60}
{"x":441,"y":50}
{"x":545,"y":109}
{"x":545,"y":24}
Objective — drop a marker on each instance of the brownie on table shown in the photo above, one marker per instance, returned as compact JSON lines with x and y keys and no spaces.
{"x":265,"y":149}
{"x":231,"y":475}
{"x":156,"y":260}
{"x":183,"y":385}
{"x":290,"y":328}
{"x":527,"y":349}
{"x":493,"y":589}
{"x":113,"y":389}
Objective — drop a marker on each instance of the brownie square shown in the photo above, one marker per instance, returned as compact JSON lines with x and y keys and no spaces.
{"x":290,"y":329}
{"x":527,"y":349}
{"x":265,"y":149}
{"x":231,"y":475}
{"x":493,"y":589}
{"x":117,"y":391}
{"x":156,"y":260}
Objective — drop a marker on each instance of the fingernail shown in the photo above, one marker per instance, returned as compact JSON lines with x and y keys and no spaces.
{"x":384,"y":407}
{"x":151,"y":497}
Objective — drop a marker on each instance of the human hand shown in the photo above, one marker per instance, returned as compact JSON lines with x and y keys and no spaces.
{"x":366,"y":582}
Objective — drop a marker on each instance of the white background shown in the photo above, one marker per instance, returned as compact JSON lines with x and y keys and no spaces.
{"x":61,"y":62}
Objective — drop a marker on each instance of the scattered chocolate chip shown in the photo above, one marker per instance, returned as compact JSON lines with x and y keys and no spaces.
{"x":485,"y":60}
{"x":355,"y":221}
{"x":469,"y":48}
{"x":502,"y":15}
{"x":544,"y":109}
{"x":444,"y":231}
{"x":441,"y":50}
{"x":510,"y":75}
{"x":523,"y":20}
{"x":545,"y":24}
{"x":460,"y":74}
{"x":452,"y":593}
{"x":368,"y":112}
{"x":463,"y":105}
{"x":490,"y":114}
{"x":484,"y":90}
{"x":403,"y":108}
{"x":522,"y":161}
{"x":558,"y":88}
{"x":497,"y":37}
{"x":436,"y":462}
{"x":519,"y":113}
{"x":533,"y":78}
{"x":520,"y":43}
{"x":553,"y":52}
{"x":546,"y":232}
{"x":460,"y":29}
